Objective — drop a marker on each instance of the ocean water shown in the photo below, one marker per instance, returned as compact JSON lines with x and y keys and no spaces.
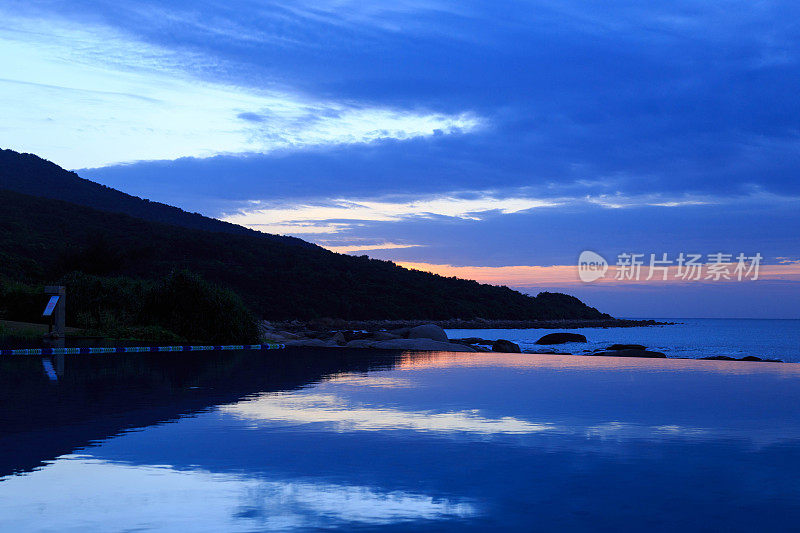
{"x":355,"y":440}
{"x":692,"y":338}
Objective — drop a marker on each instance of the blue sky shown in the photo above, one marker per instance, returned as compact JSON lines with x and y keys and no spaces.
{"x":460,"y":134}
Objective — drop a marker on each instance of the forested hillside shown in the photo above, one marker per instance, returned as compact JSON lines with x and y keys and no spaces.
{"x":30,"y":174}
{"x":44,"y":240}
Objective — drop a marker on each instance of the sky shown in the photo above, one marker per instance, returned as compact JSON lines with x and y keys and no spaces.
{"x":494,"y":140}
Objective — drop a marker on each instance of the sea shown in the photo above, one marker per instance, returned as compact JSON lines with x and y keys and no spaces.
{"x":692,"y":338}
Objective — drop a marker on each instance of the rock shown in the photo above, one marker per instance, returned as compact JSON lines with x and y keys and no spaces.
{"x":359,"y":343}
{"x":630,"y":353}
{"x":314,"y":343}
{"x":548,"y":352}
{"x":746,"y":358}
{"x":428,"y":331}
{"x":420,"y":344}
{"x":338,"y":339}
{"x":502,"y":345}
{"x":626,"y":347}
{"x":384,"y":336}
{"x":561,"y":338}
{"x":400,"y":332}
{"x":472,"y":340}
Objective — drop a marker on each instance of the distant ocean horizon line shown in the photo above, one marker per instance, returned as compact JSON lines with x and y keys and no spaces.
{"x":661,"y":318}
{"x":692,"y":338}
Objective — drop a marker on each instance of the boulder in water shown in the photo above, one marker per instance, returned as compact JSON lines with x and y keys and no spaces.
{"x":630,"y":353}
{"x":505,"y":346}
{"x":428,"y":331}
{"x":561,"y":338}
{"x":626,"y":347}
{"x":472,"y":340}
{"x":338,"y":339}
{"x":746,"y":358}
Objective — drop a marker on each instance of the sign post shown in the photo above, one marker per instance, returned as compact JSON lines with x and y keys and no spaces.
{"x":56,"y":311}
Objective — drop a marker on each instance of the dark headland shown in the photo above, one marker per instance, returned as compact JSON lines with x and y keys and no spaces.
{"x":138,"y":269}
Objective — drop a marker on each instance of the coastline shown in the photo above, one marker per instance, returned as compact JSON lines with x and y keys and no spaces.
{"x":610,"y":338}
{"x":331,"y":324}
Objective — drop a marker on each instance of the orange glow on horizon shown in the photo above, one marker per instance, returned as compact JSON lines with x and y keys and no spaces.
{"x":566,"y":275}
{"x":430,"y":360}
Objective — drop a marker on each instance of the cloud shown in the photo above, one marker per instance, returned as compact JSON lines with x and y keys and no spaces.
{"x":480,"y":221}
{"x":487,"y":160}
{"x":251,"y":117}
{"x":340,"y":214}
{"x":350,"y":248}
{"x":544,"y":277}
{"x":93,"y":96}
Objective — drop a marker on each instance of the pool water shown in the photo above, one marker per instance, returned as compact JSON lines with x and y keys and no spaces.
{"x":316,"y":439}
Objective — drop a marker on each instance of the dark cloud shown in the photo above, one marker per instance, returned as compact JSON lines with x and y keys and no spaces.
{"x":552,"y":160}
{"x":556,"y":236}
{"x":680,"y":96}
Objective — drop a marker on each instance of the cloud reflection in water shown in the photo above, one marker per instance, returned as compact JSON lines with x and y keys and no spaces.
{"x":344,"y":416}
{"x":162,"y":498}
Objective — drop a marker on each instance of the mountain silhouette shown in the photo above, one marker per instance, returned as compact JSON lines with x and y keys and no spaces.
{"x":54,"y":223}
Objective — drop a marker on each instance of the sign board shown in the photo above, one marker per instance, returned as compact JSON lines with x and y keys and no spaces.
{"x":51,"y":305}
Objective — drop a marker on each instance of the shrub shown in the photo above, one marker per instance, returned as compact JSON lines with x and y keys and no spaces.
{"x":103,"y":304}
{"x":21,"y":302}
{"x":182,"y":307}
{"x":198,"y":311}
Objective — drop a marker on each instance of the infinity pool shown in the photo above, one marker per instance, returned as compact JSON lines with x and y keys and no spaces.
{"x":309,"y":439}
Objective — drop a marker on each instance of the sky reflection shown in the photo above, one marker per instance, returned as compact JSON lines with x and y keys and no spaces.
{"x":461,"y":442}
{"x":130,"y":497}
{"x":335,"y":405}
{"x":342,"y":415}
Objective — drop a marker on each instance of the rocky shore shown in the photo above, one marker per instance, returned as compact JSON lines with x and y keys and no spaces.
{"x":416,"y":335}
{"x":420,"y":337}
{"x":329,"y":324}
